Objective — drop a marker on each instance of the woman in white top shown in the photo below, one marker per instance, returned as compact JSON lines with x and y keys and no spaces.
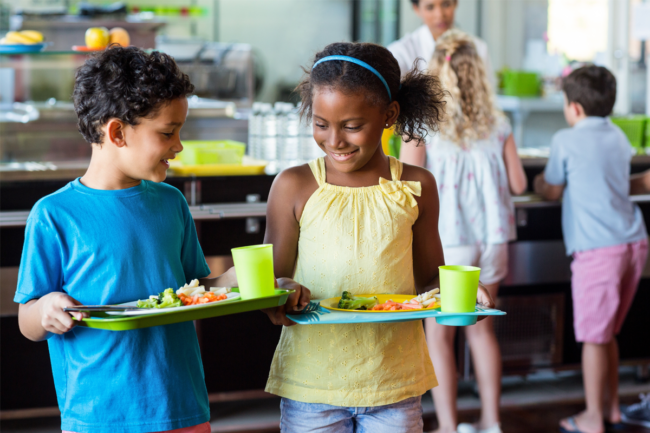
{"x":474,"y":160}
{"x":438,"y":17}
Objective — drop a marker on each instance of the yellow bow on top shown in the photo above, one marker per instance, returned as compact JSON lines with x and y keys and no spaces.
{"x":401,"y":191}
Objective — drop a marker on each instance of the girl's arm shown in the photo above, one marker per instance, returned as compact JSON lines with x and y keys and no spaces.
{"x":427,"y":248}
{"x":413,"y":153}
{"x":516,"y":175}
{"x":290,"y":191}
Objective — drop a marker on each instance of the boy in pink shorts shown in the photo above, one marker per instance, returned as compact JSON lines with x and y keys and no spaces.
{"x":589,"y":168}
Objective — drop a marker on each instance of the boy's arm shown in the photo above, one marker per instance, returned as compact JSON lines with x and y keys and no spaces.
{"x":546,"y":190}
{"x":640,"y":183}
{"x":551,"y":182}
{"x":38,"y":319}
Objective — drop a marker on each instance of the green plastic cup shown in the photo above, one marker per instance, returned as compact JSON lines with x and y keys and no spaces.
{"x":254,"y":269}
{"x":458,"y":288}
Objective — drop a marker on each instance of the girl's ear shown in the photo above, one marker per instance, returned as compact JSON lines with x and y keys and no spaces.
{"x":392,"y":113}
{"x":114,"y":133}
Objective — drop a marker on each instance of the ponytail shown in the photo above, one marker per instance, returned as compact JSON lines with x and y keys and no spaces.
{"x":422,"y":103}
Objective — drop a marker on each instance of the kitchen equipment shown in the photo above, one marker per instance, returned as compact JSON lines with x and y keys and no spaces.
{"x":634,"y":128}
{"x":520,"y":83}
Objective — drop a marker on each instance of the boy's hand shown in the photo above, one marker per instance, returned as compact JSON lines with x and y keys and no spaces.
{"x":298,"y":300}
{"x":53,"y":318}
{"x":484,"y":298}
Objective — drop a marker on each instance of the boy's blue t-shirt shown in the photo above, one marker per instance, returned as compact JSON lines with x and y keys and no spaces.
{"x":593,"y":160}
{"x":108,"y":247}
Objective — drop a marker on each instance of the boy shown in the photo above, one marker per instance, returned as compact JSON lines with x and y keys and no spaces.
{"x":114,"y":235}
{"x":589,"y":168}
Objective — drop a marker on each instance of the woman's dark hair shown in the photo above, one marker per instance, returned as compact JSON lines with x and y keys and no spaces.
{"x":126,"y":84}
{"x":420,"y":96}
{"x":593,"y":87}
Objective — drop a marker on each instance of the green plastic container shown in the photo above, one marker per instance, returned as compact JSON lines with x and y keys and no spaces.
{"x":212,"y":152}
{"x":113,"y":323}
{"x":521,"y":83}
{"x":394,"y":145}
{"x":458,"y":288}
{"x":635,"y":129}
{"x":254,"y":268}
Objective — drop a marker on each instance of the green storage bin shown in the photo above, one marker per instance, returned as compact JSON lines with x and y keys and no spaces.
{"x":212,"y":152}
{"x":634,"y":127}
{"x":521,"y":83}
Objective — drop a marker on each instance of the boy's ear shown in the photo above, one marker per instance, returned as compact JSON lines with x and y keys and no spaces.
{"x":577,"y":109}
{"x":392,"y":113}
{"x":114,"y":133}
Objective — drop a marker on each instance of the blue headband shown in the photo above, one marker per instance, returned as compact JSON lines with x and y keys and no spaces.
{"x":358,"y":62}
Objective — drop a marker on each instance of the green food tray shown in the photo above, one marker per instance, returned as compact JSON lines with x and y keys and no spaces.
{"x":113,"y":323}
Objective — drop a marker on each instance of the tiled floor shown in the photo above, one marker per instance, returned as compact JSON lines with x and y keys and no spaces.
{"x":533,"y":404}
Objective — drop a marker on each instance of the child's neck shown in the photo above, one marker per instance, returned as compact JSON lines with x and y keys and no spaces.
{"x":104,"y":174}
{"x":368,"y":175}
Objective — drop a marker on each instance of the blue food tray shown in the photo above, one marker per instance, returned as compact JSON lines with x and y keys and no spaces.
{"x":22,"y":48}
{"x":323,"y":316}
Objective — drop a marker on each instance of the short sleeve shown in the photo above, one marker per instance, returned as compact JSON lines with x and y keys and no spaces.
{"x":555,"y":172}
{"x":40,"y":269}
{"x":192,"y":258}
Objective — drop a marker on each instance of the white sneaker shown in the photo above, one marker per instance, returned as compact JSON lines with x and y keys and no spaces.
{"x":470,"y":428}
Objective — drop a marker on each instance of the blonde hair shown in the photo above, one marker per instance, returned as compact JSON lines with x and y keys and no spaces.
{"x":470,"y":108}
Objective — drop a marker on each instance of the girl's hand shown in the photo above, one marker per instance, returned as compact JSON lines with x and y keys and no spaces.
{"x":484,"y":298}
{"x":298,"y":300}
{"x":53,"y":318}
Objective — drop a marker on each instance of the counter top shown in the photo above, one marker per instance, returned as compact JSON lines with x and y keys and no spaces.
{"x":210,"y":212}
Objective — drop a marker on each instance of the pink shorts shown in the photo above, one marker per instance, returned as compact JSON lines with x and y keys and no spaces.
{"x":603,"y":284}
{"x":199,"y":428}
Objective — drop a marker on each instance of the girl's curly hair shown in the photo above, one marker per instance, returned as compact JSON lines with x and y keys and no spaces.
{"x":471,"y":109}
{"x":126,"y":84}
{"x":419,"y":95}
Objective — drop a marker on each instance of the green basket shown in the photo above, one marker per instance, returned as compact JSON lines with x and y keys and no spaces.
{"x":212,"y":152}
{"x":634,"y":128}
{"x":521,"y":83}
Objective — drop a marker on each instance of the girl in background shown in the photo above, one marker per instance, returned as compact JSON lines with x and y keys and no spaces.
{"x":475,"y":163}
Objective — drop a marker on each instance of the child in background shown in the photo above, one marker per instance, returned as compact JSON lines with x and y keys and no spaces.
{"x":360,"y":221}
{"x":115,"y":235}
{"x":589,"y":167}
{"x":474,"y":160}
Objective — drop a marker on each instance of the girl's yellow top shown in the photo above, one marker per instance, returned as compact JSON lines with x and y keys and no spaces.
{"x":359,"y":240}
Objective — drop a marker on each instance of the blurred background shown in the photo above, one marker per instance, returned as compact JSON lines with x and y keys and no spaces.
{"x":245,"y":59}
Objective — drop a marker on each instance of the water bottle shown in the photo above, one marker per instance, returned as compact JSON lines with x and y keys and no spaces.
{"x":254,"y":130}
{"x":309,"y":150}
{"x":269,"y":148}
{"x":291,"y":137}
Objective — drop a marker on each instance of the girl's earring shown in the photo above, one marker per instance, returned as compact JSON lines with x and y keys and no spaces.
{"x":387,"y":125}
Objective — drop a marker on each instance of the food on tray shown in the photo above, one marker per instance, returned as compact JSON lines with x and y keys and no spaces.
{"x":166,"y":299}
{"x":350,"y":302}
{"x":24,"y":37}
{"x":189,"y":294}
{"x":428,"y":298}
{"x":425,"y":300}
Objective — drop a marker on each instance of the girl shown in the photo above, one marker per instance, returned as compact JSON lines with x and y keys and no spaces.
{"x":360,"y":221}
{"x":475,"y":161}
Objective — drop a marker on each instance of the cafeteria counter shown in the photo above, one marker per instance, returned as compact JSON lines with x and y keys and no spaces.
{"x":230,"y":211}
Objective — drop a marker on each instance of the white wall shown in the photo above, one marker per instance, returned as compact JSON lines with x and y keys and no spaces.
{"x":286,"y":33}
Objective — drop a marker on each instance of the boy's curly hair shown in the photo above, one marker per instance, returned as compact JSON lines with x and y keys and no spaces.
{"x":126,"y":84}
{"x":419,"y":95}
